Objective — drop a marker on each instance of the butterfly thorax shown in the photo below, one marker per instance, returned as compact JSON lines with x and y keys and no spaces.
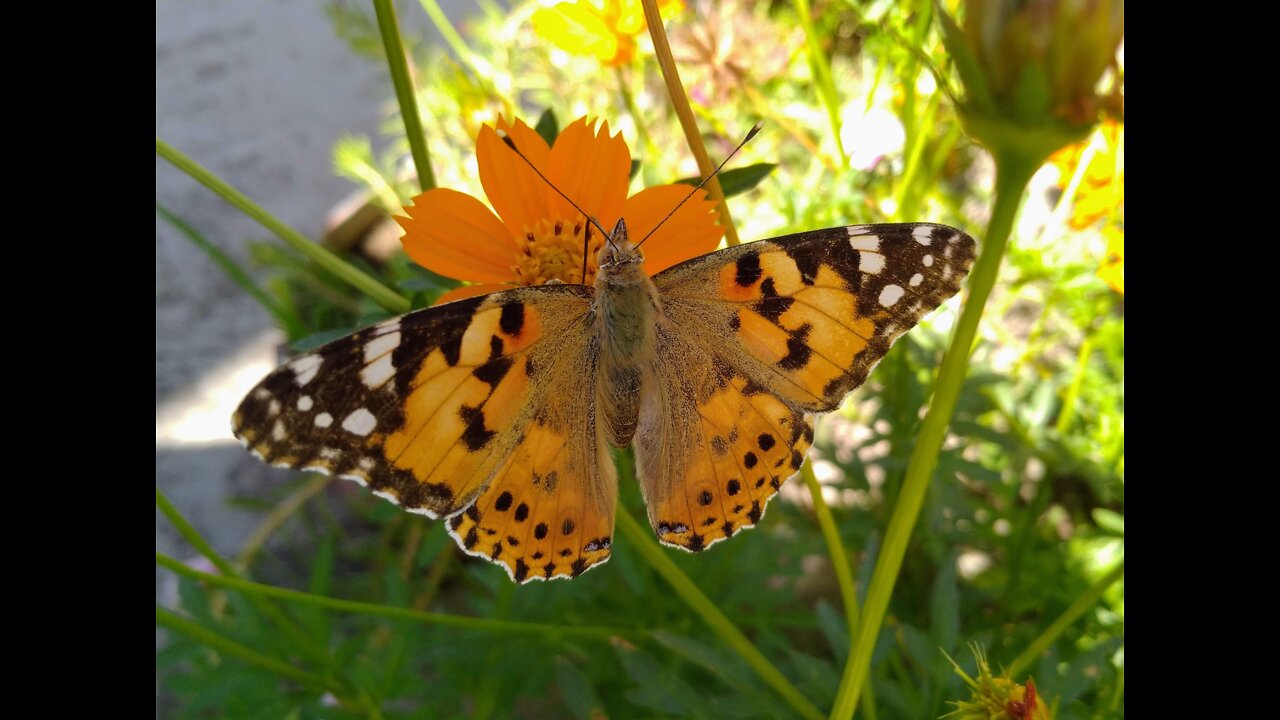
{"x":626,"y":310}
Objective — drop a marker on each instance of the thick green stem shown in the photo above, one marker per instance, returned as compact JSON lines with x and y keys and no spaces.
{"x":1013,"y":172}
{"x":366,"y":284}
{"x":405,"y":95}
{"x":840,"y":560}
{"x":711,"y":615}
{"x":388,"y":611}
{"x":1087,"y":600}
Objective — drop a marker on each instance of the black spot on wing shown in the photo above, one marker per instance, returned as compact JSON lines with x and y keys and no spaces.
{"x":476,"y":435}
{"x":521,"y":571}
{"x":732,"y":488}
{"x":522,"y":512}
{"x":748,"y":270}
{"x":798,"y":352}
{"x":493,"y":371}
{"x":807,"y":260}
{"x":503,"y":503}
{"x":512,"y":319}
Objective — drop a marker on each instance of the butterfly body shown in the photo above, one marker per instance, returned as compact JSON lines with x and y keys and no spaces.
{"x":498,"y":412}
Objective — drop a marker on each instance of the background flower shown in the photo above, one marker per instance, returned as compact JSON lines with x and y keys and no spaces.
{"x":605,"y":29}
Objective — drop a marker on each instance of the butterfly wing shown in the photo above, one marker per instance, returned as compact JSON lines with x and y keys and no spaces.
{"x":790,"y":325}
{"x":448,"y":411}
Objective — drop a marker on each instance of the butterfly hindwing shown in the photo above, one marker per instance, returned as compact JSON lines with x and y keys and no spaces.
{"x":452,"y":408}
{"x":753,"y":337}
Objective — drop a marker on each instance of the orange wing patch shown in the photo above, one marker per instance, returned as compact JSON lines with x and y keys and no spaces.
{"x":424,"y":408}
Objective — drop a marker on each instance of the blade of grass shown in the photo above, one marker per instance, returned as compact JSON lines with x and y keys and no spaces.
{"x":202,"y":546}
{"x":1087,"y":599}
{"x":822,"y":75}
{"x":478,"y":65}
{"x":366,"y":284}
{"x":680,"y":102}
{"x":840,"y":560}
{"x":711,"y":615}
{"x":402,"y":79}
{"x":388,"y":611}
{"x":277,"y":517}
{"x":1013,"y":172}
{"x":226,"y":646}
{"x":284,"y":317}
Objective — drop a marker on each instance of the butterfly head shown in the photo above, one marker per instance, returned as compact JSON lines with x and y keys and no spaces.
{"x":619,"y":260}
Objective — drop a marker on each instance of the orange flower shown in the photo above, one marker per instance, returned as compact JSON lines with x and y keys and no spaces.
{"x":536,"y":234}
{"x":603,"y":29}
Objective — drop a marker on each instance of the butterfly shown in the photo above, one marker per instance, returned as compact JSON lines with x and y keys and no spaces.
{"x":498,"y":412}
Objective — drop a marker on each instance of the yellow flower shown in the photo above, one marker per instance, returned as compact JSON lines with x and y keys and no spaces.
{"x":1100,"y":193}
{"x":603,"y":29}
{"x":536,"y":235}
{"x":1112,"y":270}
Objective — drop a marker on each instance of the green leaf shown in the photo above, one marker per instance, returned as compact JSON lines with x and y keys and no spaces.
{"x":834,"y":628}
{"x":577,"y":692}
{"x":944,"y":606}
{"x":548,"y":126}
{"x":657,"y":688}
{"x":738,"y":180}
{"x":1109,"y":520}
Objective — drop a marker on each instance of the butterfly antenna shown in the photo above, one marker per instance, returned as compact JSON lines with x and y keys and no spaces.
{"x":587,"y":233}
{"x":750,"y":134}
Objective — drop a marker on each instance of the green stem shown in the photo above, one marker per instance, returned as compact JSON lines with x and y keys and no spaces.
{"x":277,"y":517}
{"x":405,"y":95}
{"x":375,"y":290}
{"x":821,"y":74}
{"x":839,"y":559}
{"x":1013,"y":172}
{"x":1077,"y":382}
{"x":908,"y":198}
{"x":197,"y":541}
{"x":454,"y":40}
{"x":689,"y":124}
{"x":1086,"y":600}
{"x":711,"y":615}
{"x":287,"y":319}
{"x":203,"y":635}
{"x":387,"y":611}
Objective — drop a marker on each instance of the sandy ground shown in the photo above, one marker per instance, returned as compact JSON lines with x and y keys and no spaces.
{"x":258,"y":93}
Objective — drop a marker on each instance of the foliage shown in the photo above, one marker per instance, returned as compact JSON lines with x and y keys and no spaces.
{"x":1024,"y":516}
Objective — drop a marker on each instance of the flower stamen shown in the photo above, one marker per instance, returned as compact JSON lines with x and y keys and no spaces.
{"x":548,"y":252}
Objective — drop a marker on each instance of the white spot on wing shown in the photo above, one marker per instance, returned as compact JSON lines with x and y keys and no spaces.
{"x":360,"y":422}
{"x":277,"y":431}
{"x":923,"y":235}
{"x":324,"y":420}
{"x":916,"y":280}
{"x":381,"y":345}
{"x":306,"y":368}
{"x":366,"y":463}
{"x":273,"y":407}
{"x":868,"y":243}
{"x":261,"y":394}
{"x":305,"y":402}
{"x":329,"y":453}
{"x":890,"y":295}
{"x":869,"y":262}
{"x":379,"y":371}
{"x":927,"y":260}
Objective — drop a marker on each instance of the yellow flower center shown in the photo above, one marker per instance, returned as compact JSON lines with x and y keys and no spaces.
{"x":552,"y":250}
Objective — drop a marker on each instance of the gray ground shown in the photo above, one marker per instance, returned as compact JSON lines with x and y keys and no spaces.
{"x":257,"y":92}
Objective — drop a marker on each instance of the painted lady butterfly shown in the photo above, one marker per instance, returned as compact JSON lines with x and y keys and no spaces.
{"x":497,"y":412}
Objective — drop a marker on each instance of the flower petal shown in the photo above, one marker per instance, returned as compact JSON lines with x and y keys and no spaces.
{"x":455,"y":235}
{"x":467,"y":291}
{"x":593,"y":169}
{"x":691,"y":232}
{"x":576,"y":28}
{"x":515,"y":191}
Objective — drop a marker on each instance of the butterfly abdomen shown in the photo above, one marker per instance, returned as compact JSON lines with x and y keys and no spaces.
{"x":626,"y":309}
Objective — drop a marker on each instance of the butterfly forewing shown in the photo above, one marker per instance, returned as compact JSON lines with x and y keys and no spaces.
{"x":455,"y":408}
